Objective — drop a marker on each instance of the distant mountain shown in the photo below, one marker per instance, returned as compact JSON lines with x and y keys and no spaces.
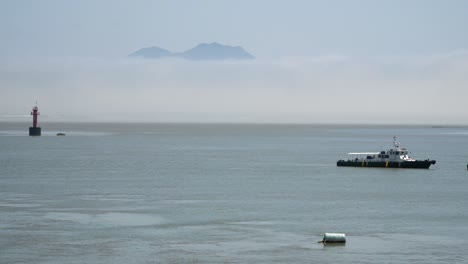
{"x":216,"y":51}
{"x":152,"y":52}
{"x":204,"y":51}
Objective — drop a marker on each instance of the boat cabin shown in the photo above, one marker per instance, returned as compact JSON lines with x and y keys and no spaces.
{"x":398,"y":154}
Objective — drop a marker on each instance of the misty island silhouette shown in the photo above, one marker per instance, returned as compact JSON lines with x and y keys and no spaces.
{"x":203,"y":51}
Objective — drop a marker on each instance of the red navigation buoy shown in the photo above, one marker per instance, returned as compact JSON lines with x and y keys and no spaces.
{"x":35,"y":130}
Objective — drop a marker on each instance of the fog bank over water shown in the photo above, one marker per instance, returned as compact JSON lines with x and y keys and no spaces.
{"x":424,"y":89}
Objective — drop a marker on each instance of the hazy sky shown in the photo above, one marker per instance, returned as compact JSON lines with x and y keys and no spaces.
{"x":317,"y":61}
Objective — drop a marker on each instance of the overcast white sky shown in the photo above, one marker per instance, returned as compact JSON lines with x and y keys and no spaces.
{"x":317,"y":61}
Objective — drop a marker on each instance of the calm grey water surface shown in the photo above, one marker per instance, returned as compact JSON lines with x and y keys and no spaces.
{"x":182,"y":193}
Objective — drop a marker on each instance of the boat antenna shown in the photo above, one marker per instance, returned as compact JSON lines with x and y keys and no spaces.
{"x":395,"y":142}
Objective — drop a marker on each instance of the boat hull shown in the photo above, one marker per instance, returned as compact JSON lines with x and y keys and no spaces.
{"x":418,"y":164}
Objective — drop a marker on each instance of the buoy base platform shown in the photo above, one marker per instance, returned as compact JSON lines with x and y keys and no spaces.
{"x":34,"y":131}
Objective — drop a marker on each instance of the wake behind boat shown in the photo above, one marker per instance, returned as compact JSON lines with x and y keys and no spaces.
{"x":396,"y":157}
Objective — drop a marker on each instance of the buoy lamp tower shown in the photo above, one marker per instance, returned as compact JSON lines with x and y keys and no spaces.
{"x":35,"y":130}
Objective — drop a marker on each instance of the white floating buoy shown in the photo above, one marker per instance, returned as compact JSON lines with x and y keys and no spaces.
{"x":333,"y":238}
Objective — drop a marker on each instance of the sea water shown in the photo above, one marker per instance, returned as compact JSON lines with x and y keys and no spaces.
{"x":200,"y":193}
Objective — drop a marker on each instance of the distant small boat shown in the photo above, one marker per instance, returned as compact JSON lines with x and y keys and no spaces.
{"x":60,"y":134}
{"x":392,"y":158}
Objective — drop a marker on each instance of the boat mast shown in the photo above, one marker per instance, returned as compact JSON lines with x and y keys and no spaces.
{"x":396,"y":143}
